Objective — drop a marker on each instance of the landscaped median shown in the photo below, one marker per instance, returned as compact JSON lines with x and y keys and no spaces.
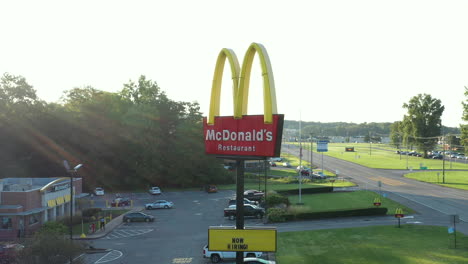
{"x":318,"y":203}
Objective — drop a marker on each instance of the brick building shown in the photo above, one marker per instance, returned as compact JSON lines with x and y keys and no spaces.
{"x":27,"y":203}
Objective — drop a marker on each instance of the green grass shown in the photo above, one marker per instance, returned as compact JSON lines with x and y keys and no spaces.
{"x":453,"y":179}
{"x":383,"y":157}
{"x":343,"y":200}
{"x":410,"y":244}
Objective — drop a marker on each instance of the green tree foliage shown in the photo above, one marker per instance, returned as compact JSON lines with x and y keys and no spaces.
{"x":50,"y":245}
{"x":423,"y":121}
{"x":127,"y":140}
{"x":464,"y":127}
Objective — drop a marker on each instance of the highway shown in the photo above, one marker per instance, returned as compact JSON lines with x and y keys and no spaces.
{"x":430,"y":200}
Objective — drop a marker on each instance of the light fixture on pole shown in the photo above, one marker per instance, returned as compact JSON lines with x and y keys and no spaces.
{"x":71,"y":172}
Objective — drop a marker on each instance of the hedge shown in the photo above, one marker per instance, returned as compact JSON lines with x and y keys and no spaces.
{"x":306,"y":190}
{"x":337,"y":213}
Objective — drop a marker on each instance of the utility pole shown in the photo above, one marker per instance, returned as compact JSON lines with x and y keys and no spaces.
{"x":311,"y":152}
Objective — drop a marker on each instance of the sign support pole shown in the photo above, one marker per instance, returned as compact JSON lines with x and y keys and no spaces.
{"x":240,"y":203}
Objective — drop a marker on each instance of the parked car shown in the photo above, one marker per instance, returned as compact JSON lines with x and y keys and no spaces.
{"x":249,"y":210}
{"x":258,"y":261}
{"x":99,"y":191}
{"x":233,"y":201}
{"x":211,"y":188}
{"x":287,"y":165}
{"x":121,"y":201}
{"x":138,"y":217}
{"x":155,"y":190}
{"x":277,"y":159}
{"x":318,"y":175}
{"x":254,"y":195}
{"x":272,"y":164}
{"x":217,"y":256}
{"x":159,"y":204}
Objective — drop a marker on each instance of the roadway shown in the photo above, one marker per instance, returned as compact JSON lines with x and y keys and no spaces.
{"x":431,"y":201}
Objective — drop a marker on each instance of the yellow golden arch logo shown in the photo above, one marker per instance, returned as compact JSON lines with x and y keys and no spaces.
{"x":241,"y":81}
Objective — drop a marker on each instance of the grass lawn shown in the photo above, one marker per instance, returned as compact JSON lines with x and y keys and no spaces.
{"x":383,"y":157}
{"x":410,"y":244}
{"x":453,"y":179}
{"x":343,"y":200}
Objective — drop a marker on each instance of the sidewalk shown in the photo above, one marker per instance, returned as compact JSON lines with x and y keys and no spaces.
{"x":100,"y":233}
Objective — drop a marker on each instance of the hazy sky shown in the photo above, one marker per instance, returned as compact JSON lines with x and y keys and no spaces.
{"x":351,"y":61}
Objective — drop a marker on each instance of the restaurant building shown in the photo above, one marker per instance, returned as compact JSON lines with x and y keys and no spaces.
{"x":27,"y":203}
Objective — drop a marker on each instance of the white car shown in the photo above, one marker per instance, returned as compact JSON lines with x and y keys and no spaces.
{"x":155,"y":190}
{"x":159,"y":204}
{"x":99,"y":191}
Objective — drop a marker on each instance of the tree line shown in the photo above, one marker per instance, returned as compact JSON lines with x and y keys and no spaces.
{"x":134,"y":138}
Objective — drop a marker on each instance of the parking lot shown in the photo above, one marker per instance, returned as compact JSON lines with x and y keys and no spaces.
{"x":177,"y":235}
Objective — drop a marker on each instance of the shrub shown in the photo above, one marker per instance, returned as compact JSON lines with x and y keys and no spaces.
{"x":276,"y":215}
{"x":89,"y":212}
{"x":306,"y":190}
{"x":338,"y":213}
{"x":275,"y":199}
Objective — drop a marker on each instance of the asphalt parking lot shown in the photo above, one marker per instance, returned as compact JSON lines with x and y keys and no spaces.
{"x":177,"y":235}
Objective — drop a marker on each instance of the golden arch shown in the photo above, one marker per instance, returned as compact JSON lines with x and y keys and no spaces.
{"x":241,"y":83}
{"x":43,"y":189}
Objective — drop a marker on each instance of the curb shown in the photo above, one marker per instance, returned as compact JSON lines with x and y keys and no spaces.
{"x":114,"y":223}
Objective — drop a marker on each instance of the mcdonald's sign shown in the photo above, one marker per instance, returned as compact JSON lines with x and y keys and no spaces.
{"x":242,"y":134}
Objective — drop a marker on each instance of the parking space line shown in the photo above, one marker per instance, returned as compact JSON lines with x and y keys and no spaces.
{"x":111,"y":256}
{"x":182,"y":260}
{"x":127,"y":233}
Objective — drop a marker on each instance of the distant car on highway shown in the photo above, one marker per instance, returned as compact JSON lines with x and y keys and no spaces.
{"x":159,"y":204}
{"x":155,"y":190}
{"x":277,"y":159}
{"x":99,"y":191}
{"x":138,"y":217}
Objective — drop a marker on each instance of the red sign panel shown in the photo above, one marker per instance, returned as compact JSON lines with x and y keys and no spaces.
{"x":248,"y":136}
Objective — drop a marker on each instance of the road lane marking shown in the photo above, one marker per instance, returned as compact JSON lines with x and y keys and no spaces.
{"x":119,"y":233}
{"x":111,"y":256}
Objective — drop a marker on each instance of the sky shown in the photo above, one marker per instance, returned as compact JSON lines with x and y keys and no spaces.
{"x":333,"y":61}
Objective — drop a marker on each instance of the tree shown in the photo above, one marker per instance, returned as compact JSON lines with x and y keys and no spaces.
{"x":464,"y":128}
{"x":50,"y":245}
{"x":423,"y":121}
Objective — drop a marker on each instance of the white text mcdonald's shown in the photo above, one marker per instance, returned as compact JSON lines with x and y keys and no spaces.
{"x":248,"y":136}
{"x":242,"y":134}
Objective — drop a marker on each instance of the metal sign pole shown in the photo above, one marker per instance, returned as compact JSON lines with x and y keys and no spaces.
{"x":240,"y":204}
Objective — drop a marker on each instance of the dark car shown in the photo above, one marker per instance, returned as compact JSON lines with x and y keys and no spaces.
{"x":272,"y":164}
{"x":121,"y":202}
{"x":211,"y":188}
{"x":138,"y":217}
